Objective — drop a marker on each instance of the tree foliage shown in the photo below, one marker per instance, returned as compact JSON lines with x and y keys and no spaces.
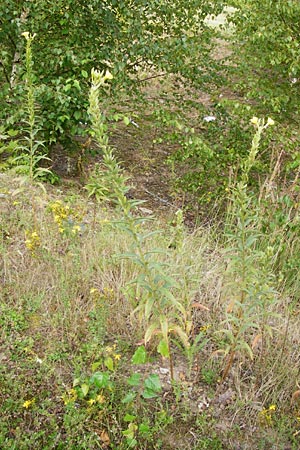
{"x":73,"y":36}
{"x":268,"y":48}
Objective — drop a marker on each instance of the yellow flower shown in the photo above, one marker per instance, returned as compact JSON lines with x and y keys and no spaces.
{"x":33,"y":241}
{"x":28,"y":35}
{"x":270,"y":121}
{"x":108,"y":75}
{"x":91,"y":401}
{"x":117,"y":357}
{"x":69,"y":396}
{"x":100,"y":399}
{"x":254,"y":120}
{"x":28,"y":403}
{"x":205,"y":328}
{"x":272,"y":408}
{"x":93,"y":291}
{"x":76,"y":229}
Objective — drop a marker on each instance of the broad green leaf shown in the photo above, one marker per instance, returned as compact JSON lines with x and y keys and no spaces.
{"x":134,"y":379}
{"x":144,"y":428}
{"x":129,"y":397}
{"x":100,"y":379}
{"x":139,"y":356}
{"x":152,"y":386}
{"x":129,"y":418}
{"x":109,"y":363}
{"x":163,"y":348}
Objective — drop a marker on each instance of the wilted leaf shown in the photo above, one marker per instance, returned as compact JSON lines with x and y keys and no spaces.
{"x":85,"y":389}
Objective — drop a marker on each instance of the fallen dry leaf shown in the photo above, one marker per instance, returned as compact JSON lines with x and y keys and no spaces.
{"x":198,"y":305}
{"x":104,"y":437}
{"x":256,"y":341}
{"x":295,"y":396}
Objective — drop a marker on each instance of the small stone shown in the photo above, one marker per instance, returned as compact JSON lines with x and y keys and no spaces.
{"x":164,"y":371}
{"x":209,"y":118}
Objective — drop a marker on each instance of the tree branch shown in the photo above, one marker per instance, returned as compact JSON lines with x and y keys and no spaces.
{"x":5,"y":71}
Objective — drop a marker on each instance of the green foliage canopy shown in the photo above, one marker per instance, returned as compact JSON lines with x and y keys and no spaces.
{"x":73,"y":36}
{"x":268,"y":46}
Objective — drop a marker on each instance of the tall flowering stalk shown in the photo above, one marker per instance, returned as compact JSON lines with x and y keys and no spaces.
{"x":29,"y":160}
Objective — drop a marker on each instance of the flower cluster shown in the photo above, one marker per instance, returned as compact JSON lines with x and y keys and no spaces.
{"x":100,"y":399}
{"x":28,"y":403}
{"x":69,"y":396}
{"x":261,"y":122}
{"x":266,"y":415}
{"x":60,"y":214}
{"x":100,"y":298}
{"x":64,"y":217}
{"x":110,"y":351}
{"x":32,"y":241}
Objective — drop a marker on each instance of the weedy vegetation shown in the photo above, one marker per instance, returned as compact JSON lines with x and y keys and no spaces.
{"x":127,"y":328}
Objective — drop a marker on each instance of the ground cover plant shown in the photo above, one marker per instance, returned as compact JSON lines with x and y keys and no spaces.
{"x":125,"y":325}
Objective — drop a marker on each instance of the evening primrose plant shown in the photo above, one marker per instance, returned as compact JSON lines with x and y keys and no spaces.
{"x":250,"y":287}
{"x":30,"y":157}
{"x":160,"y":313}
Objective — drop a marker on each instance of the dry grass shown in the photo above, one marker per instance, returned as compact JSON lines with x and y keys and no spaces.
{"x":67,"y":299}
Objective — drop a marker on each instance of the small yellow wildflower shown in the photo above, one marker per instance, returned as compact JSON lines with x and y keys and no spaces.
{"x":117,"y":357}
{"x":69,"y":397}
{"x":254,"y":120}
{"x":108,"y":76}
{"x":93,"y":291}
{"x":28,"y":403}
{"x":32,"y":241}
{"x":76,"y":229}
{"x":100,"y":399}
{"x":28,"y":36}
{"x":270,"y":121}
{"x":205,"y":328}
{"x":266,"y":415}
{"x":91,"y":401}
